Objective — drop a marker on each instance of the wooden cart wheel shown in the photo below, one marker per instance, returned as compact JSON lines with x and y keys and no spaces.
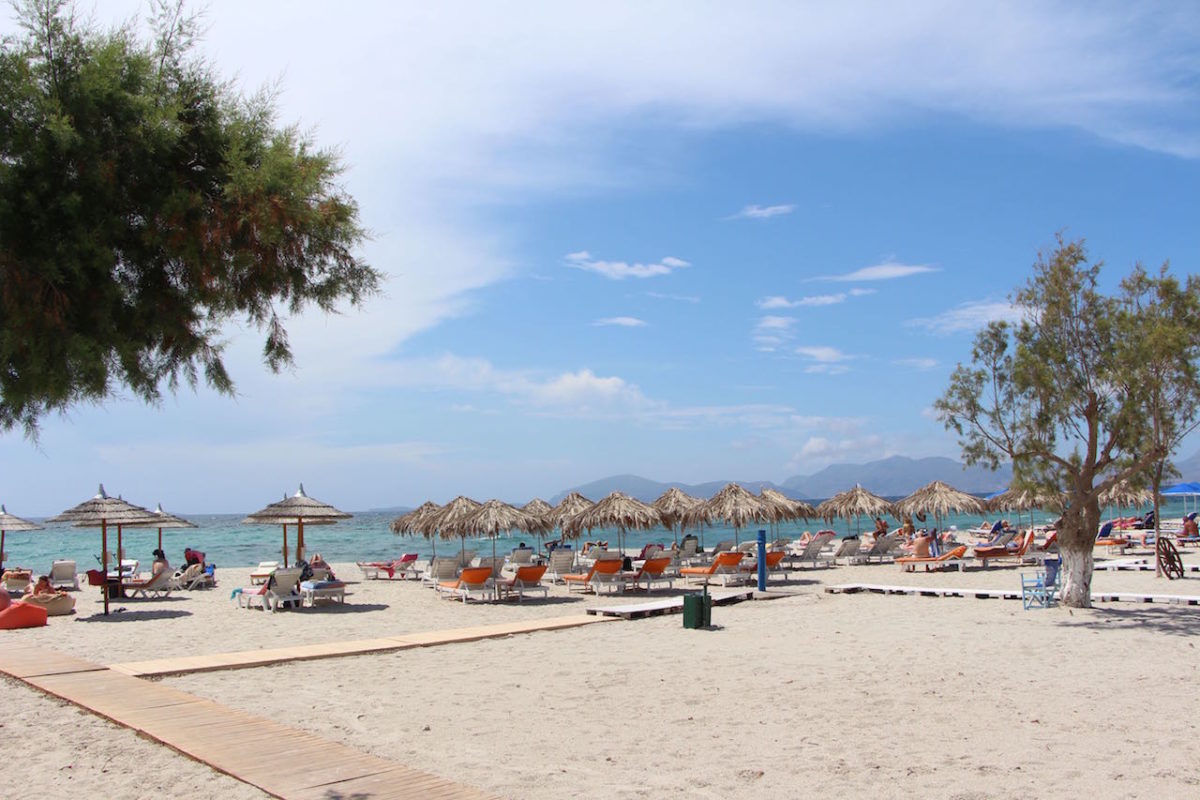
{"x":1168,"y":558}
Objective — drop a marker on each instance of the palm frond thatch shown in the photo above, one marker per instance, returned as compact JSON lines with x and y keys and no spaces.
{"x":854,"y":503}
{"x":617,"y":510}
{"x":940,"y":499}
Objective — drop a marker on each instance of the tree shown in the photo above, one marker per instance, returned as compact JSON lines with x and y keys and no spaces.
{"x":1084,"y":391}
{"x":144,"y":203}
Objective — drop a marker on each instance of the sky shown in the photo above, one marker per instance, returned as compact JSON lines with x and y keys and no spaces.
{"x":688,"y":241}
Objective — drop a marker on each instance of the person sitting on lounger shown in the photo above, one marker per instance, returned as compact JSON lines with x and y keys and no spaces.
{"x":42,"y":586}
{"x":1191,"y":528}
{"x":587,"y":546}
{"x":160,"y":562}
{"x":881,"y":528}
{"x":318,"y":562}
{"x":921,"y":544}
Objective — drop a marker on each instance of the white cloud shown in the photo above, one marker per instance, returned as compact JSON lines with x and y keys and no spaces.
{"x":620,"y":270}
{"x":772,"y":332}
{"x":820,"y":448}
{"x":775,"y":323}
{"x":762,"y":212}
{"x":967,"y":317}
{"x":916,"y":363}
{"x":825,"y":355}
{"x":822,"y":300}
{"x":881,"y":272}
{"x":827,"y":369}
{"x":775,"y":302}
{"x":860,"y":292}
{"x":621,"y":322}
{"x":683,"y":298}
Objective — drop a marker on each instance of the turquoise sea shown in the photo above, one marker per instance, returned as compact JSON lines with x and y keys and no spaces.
{"x":365,"y":537}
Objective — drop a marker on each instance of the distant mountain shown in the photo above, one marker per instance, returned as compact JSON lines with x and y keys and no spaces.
{"x":647,"y":490}
{"x":898,"y":476}
{"x":891,"y":477}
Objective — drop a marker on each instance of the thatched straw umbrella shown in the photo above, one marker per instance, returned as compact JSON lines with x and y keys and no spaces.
{"x":544,"y":512}
{"x":854,"y":503}
{"x":493,"y":518}
{"x":939,"y":499}
{"x":570,"y":506}
{"x":8,"y":522}
{"x":734,"y":506}
{"x":619,"y":511}
{"x":447,"y":517}
{"x":673,"y":504}
{"x":1124,"y":495}
{"x":298,"y":510}
{"x":163,"y":520}
{"x":102,"y":511}
{"x":410,"y":524}
{"x":787,"y":509}
{"x":1019,"y":500}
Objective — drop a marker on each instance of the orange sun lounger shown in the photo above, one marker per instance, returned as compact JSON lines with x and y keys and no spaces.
{"x":986,"y":554}
{"x":951,"y":558}
{"x":603,"y":571}
{"x":724,"y":567}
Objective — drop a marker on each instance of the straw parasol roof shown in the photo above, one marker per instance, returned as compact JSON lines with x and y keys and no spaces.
{"x":163,"y":520}
{"x":940,"y":499}
{"x":1124,"y":495}
{"x":672,"y":505}
{"x":298,"y":510}
{"x":619,"y":511}
{"x":539,"y":508}
{"x":854,"y":503}
{"x":444,"y":520}
{"x":574,"y":503}
{"x":789,"y":509}
{"x":102,"y":511}
{"x":495,"y":517}
{"x":734,"y":506}
{"x":408,"y":524}
{"x":1023,"y":500}
{"x":8,"y":522}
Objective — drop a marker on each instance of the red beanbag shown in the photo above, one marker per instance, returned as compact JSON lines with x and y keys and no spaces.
{"x":22,"y":615}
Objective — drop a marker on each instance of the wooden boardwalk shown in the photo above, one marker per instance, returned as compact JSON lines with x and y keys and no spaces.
{"x":258,"y":658}
{"x":281,"y":760}
{"x":1003,"y":594}
{"x":668,"y":605}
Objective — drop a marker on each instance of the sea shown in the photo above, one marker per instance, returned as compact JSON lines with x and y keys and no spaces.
{"x":367,"y":536}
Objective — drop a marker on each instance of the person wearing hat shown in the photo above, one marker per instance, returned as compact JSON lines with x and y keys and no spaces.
{"x":160,"y":562}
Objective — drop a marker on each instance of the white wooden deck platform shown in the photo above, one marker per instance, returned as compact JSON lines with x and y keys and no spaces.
{"x":1002,"y":594}
{"x":668,"y":605}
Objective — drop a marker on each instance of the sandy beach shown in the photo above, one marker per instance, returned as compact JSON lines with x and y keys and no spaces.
{"x":845,"y":695}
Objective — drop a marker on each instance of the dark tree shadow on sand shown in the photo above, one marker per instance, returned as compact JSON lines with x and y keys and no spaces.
{"x":1172,"y":620}
{"x":122,"y":614}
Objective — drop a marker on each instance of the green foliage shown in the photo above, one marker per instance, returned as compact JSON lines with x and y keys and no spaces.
{"x":144,"y":203}
{"x":1084,"y":385}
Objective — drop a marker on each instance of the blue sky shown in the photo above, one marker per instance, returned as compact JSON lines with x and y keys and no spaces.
{"x":688,"y":241}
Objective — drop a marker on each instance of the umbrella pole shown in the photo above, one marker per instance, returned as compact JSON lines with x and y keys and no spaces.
{"x":285,"y":560}
{"x":104,"y":559}
{"x":2,"y":553}
{"x":299,"y":538}
{"x":120,"y":558}
{"x":160,"y":538}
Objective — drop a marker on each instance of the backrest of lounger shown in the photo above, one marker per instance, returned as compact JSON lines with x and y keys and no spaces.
{"x":1026,"y":543}
{"x":62,"y":570}
{"x":286,"y":580}
{"x":727,"y":560}
{"x":655,"y":566}
{"x":530,"y":575}
{"x":605,"y":554}
{"x":562,"y":560}
{"x":774,"y":558}
{"x":608,"y":566}
{"x":475,"y":576}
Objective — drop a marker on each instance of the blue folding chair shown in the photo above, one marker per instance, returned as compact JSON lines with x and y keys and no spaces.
{"x":1040,"y":589}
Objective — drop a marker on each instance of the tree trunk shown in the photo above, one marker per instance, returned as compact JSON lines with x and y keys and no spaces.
{"x":1077,"y":564}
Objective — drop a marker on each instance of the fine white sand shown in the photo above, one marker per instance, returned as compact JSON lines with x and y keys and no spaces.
{"x":844,"y":695}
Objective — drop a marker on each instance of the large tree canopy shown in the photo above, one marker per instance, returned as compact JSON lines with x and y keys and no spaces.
{"x":1082,"y":390}
{"x":143,"y":203}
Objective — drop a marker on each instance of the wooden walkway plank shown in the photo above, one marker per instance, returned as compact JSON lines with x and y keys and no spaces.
{"x":280,"y":760}
{"x":1005,"y":594}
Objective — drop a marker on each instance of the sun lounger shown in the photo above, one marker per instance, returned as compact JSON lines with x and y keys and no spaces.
{"x":520,"y":556}
{"x":281,"y":589}
{"x":653,"y":570}
{"x":951,"y":558}
{"x":472,"y":582}
{"x":263,"y":571}
{"x":158,"y":585}
{"x":496,"y":563}
{"x":63,"y":575}
{"x":188,"y":578}
{"x":847,"y":551}
{"x":985,"y":554}
{"x":527,"y":580}
{"x":312,"y":591}
{"x":812,"y":550}
{"x":724,"y":567}
{"x":440,"y":571}
{"x":604,"y":573}
{"x":774,"y":566}
{"x":885,"y":547}
{"x":560,"y":563}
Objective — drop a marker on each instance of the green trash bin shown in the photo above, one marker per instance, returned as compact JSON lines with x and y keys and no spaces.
{"x":697,"y":610}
